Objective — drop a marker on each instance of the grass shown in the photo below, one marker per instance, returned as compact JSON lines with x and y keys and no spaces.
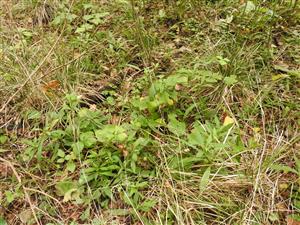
{"x":149,"y":112}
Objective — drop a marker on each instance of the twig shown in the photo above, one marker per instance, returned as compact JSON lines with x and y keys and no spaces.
{"x":44,"y":193}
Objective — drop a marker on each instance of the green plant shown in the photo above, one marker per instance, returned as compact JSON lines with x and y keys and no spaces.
{"x":195,"y":118}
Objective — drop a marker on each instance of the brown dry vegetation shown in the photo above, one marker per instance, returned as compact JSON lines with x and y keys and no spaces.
{"x":149,"y":112}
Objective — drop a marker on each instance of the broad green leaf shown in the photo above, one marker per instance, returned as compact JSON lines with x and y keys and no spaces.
{"x":283,"y":168}
{"x":61,"y":160}
{"x":161,"y":13}
{"x":232,"y":79}
{"x":228,"y":120}
{"x":3,"y":139}
{"x":147,"y":205}
{"x":297,"y":161}
{"x":2,"y":221}
{"x":61,"y":153}
{"x":279,"y":76}
{"x":86,"y":214}
{"x":70,"y":17}
{"x":88,"y":17}
{"x":274,"y":217}
{"x":295,"y":73}
{"x":209,"y":77}
{"x":222,"y":61}
{"x":64,"y":187}
{"x":77,"y":147}
{"x":88,"y":6}
{"x":133,"y":166}
{"x":68,"y":195}
{"x":71,"y":166}
{"x":205,"y":179}
{"x":140,"y":143}
{"x":34,"y":114}
{"x":71,"y":194}
{"x":110,"y":167}
{"x":57,"y":134}
{"x":96,"y":20}
{"x":10,"y":197}
{"x":171,"y":81}
{"x":111,"y":133}
{"x":88,"y":139}
{"x":176,"y":127}
{"x":103,"y":14}
{"x":84,"y":27}
{"x":185,"y":163}
{"x":196,"y":137}
{"x":108,"y":192}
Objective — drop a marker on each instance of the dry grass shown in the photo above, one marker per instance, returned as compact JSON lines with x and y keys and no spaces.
{"x":114,"y":63}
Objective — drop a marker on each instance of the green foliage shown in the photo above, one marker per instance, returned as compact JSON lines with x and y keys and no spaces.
{"x":2,"y":221}
{"x":3,"y":139}
{"x":205,"y":179}
{"x":198,"y":128}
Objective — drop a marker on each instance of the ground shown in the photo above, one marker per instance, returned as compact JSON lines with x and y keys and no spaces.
{"x":149,"y":112}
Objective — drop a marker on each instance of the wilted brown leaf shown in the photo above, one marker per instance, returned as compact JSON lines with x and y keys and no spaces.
{"x":123,"y":149}
{"x":51,"y":85}
{"x":114,"y":119}
{"x":5,"y":170}
{"x":291,"y":221}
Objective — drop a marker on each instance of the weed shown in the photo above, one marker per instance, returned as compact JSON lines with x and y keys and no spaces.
{"x":149,"y":112}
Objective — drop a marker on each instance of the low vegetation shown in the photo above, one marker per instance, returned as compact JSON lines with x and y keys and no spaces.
{"x":149,"y":112}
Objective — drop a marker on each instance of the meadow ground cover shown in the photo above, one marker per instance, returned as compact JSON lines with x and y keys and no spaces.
{"x":149,"y":112}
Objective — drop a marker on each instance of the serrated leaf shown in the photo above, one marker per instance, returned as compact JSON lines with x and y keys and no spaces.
{"x":196,"y":137}
{"x":88,"y":139}
{"x":232,"y":79}
{"x":111,"y":133}
{"x":66,"y":189}
{"x":176,"y":127}
{"x":68,"y":196}
{"x":71,"y":166}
